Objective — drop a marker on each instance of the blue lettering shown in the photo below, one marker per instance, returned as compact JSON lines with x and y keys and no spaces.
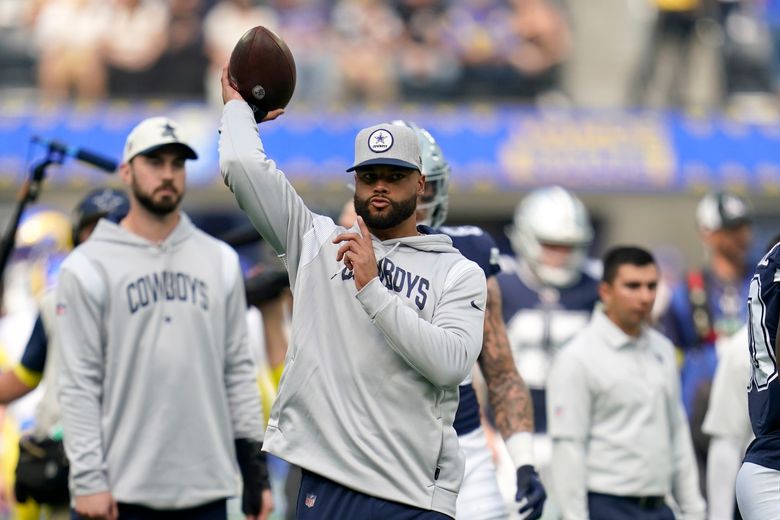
{"x":204,"y":296}
{"x":154,"y":287}
{"x":410,"y":283}
{"x":170,"y":288}
{"x":181,"y":286}
{"x":155,"y":284}
{"x":388,"y":268}
{"x":194,"y":290}
{"x":398,"y":280}
{"x":422,"y":293}
{"x":130,"y":302}
{"x":143,"y":292}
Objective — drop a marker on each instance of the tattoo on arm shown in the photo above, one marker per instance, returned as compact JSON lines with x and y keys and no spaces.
{"x":507,"y":391}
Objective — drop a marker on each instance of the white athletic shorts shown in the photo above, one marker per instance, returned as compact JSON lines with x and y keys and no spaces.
{"x":758,"y":492}
{"x":479,"y":497}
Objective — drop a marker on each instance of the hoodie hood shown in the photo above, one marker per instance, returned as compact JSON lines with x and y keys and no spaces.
{"x":107,"y":231}
{"x":429,"y":240}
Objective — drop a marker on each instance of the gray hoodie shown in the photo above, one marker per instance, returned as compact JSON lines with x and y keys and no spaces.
{"x":370,"y":388}
{"x":157,"y":377}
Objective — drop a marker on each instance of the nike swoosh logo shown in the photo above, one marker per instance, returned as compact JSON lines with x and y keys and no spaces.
{"x":474,"y":304}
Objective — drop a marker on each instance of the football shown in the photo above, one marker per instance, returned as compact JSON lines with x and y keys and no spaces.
{"x":262,"y":70}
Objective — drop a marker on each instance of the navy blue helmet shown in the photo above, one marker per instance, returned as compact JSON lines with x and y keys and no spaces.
{"x":100,"y":203}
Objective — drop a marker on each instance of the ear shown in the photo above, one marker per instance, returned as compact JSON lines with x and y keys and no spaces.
{"x":420,"y":185}
{"x":126,"y":174}
{"x":605,"y":293}
{"x":707,"y":236}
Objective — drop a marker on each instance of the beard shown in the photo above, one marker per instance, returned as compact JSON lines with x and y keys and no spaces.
{"x":393,"y":215}
{"x":161,"y":207}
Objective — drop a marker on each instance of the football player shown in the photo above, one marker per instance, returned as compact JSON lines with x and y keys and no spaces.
{"x":758,"y":479}
{"x":549,"y":292}
{"x":480,"y":497}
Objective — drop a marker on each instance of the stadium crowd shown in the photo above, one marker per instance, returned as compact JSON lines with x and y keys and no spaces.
{"x":666,"y":53}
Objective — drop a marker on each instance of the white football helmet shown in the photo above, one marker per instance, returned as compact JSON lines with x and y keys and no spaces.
{"x":436,"y":169}
{"x":551,"y":216}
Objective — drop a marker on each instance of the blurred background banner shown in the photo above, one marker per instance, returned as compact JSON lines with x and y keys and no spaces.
{"x":490,"y":148}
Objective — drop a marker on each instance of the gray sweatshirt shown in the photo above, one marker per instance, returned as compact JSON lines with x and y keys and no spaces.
{"x":157,"y":377}
{"x":370,"y":387}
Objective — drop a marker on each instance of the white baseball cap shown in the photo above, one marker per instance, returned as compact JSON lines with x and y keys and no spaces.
{"x":153,"y":133}
{"x":387,"y":144}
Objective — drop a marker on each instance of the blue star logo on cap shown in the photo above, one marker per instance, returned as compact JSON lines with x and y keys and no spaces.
{"x":380,"y":141}
{"x":169,"y":131}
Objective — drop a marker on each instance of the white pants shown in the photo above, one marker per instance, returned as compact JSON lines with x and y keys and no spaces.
{"x":479,"y":497}
{"x":758,"y":492}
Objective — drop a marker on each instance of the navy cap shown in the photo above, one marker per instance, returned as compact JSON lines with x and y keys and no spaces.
{"x":100,"y":203}
{"x":723,"y":210}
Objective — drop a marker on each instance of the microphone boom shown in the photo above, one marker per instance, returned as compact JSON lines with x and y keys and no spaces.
{"x":95,"y":159}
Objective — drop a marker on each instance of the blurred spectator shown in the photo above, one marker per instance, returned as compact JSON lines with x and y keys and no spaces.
{"x":180,"y":70}
{"x":663,"y":74}
{"x":428,"y":70}
{"x":746,"y":53}
{"x":481,"y":34}
{"x":223,"y":26}
{"x":136,"y":38}
{"x":709,"y":303}
{"x":17,"y":58}
{"x":68,"y":34}
{"x":366,"y":36}
{"x":544,"y":44}
{"x":305,"y":26}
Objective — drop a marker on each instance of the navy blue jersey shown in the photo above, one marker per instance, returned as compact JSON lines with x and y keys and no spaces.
{"x":475,"y":244}
{"x":518,"y":295}
{"x":764,"y":388}
{"x":479,"y":247}
{"x":34,"y":356}
{"x":725,"y":309}
{"x":725,"y":306}
{"x":539,"y":321}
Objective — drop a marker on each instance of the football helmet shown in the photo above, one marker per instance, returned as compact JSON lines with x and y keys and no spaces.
{"x":100,"y":203}
{"x":552,"y":216}
{"x":43,"y":240}
{"x":435,"y":201}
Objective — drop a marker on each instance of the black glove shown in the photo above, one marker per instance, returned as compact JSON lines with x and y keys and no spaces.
{"x":254,"y":472}
{"x":530,"y":493}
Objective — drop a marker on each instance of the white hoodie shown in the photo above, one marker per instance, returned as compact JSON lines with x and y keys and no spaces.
{"x":370,"y":387}
{"x":157,"y":378}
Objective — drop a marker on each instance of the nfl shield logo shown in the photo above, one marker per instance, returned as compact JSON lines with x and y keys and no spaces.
{"x":310,"y":499}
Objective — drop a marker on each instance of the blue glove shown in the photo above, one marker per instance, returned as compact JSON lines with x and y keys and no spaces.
{"x":530,"y":493}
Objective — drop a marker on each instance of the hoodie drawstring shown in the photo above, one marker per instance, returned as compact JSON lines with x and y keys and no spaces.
{"x":390,"y":252}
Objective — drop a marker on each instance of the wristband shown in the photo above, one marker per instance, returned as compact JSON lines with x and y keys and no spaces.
{"x":520,"y":446}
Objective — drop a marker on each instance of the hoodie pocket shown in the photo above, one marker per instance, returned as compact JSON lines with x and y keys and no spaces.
{"x":448,"y":473}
